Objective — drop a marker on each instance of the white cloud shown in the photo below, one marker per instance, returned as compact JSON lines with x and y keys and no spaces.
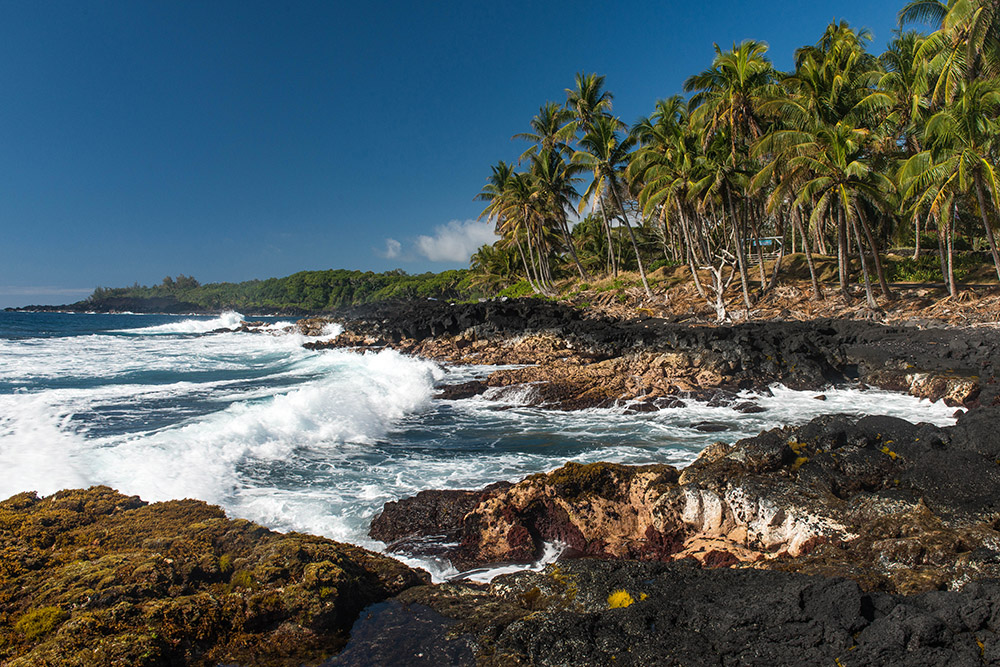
{"x":393,"y":249}
{"x":456,"y":241}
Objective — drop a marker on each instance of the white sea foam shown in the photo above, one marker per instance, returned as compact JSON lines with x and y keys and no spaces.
{"x":228,"y":320}
{"x":318,"y":441}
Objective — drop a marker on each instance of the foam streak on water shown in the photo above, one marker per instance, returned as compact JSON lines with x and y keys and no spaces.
{"x":311,"y":441}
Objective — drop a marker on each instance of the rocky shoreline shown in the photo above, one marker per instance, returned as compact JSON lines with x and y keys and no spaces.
{"x":878,"y":506}
{"x":843,"y":541}
{"x":578,"y":360}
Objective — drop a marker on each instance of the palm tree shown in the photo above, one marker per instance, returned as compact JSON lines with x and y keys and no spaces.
{"x":901,"y":100}
{"x":657,"y":136}
{"x":729,"y":104}
{"x":963,"y":139}
{"x":607,"y":154}
{"x":837,"y":179}
{"x":553,"y":179}
{"x":588,"y":101}
{"x":966,"y":45}
{"x":832,"y":84}
{"x":551,"y":130}
{"x":920,"y":181}
{"x":503,"y":191}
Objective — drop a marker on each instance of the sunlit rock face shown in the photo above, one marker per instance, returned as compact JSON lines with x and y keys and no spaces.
{"x":897,"y":506}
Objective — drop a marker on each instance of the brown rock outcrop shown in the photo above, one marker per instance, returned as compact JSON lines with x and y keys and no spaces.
{"x":895,"y":506}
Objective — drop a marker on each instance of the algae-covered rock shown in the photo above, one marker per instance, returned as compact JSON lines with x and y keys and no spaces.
{"x":94,"y":577}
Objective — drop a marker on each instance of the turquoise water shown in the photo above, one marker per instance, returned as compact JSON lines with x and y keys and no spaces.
{"x":169,"y":407}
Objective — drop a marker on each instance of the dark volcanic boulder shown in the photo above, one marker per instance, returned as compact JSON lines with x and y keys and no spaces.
{"x":93,"y":577}
{"x":588,"y":612}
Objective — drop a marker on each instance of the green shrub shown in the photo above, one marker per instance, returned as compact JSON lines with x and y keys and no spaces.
{"x":517,"y":290}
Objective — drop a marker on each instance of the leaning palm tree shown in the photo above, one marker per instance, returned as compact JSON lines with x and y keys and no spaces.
{"x":606,"y":154}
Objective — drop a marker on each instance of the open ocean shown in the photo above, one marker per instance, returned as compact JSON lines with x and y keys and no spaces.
{"x":162,"y":407}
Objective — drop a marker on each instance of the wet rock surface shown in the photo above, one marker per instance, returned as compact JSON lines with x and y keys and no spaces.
{"x":898,"y":507}
{"x":94,"y":577}
{"x":579,"y":361}
{"x":589,"y":612}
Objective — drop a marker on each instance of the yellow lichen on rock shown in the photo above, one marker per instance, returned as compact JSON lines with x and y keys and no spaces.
{"x":619,"y":599}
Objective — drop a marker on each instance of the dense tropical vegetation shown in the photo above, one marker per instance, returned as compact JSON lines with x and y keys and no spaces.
{"x":849,"y":154}
{"x":306,"y":291}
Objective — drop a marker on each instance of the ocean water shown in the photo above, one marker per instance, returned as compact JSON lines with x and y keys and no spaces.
{"x":316,"y":441}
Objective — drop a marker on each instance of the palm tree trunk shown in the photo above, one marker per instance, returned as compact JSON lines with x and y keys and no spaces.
{"x":842,"y":255}
{"x":760,"y":251}
{"x":781,"y":249}
{"x":797,"y":221}
{"x":879,"y":269}
{"x":869,"y":297}
{"x":568,"y":238}
{"x":740,"y":251}
{"x":635,"y":246}
{"x":611,"y":246}
{"x":820,"y":238}
{"x":944,"y":255}
{"x":690,"y":252}
{"x":950,"y":243}
{"x":986,"y":224}
{"x":916,"y":235}
{"x":527,"y":271}
{"x":540,"y":283}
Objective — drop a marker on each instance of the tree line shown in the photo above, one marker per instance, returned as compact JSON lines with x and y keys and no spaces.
{"x":846,"y":155}
{"x":305,"y":291}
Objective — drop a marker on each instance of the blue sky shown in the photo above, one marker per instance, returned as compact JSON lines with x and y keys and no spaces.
{"x":239,"y":140}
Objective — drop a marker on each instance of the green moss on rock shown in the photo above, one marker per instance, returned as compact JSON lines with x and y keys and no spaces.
{"x":40,"y":622}
{"x":94,"y":577}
